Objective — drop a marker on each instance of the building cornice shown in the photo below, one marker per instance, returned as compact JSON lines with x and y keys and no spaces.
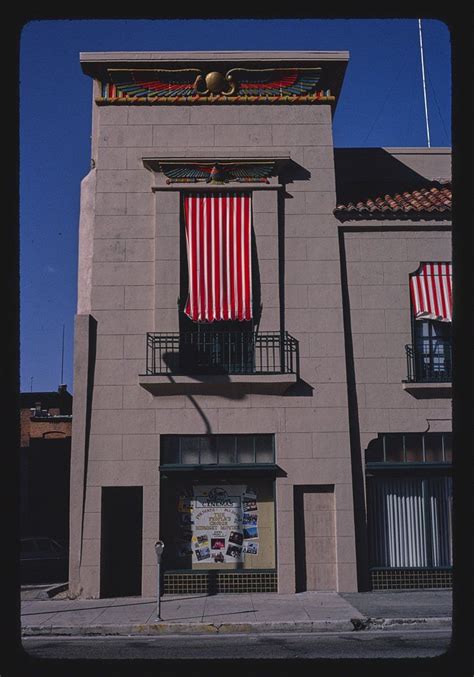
{"x":216,"y":78}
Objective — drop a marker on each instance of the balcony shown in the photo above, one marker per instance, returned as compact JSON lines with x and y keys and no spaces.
{"x":429,"y":367}
{"x":218,"y":362}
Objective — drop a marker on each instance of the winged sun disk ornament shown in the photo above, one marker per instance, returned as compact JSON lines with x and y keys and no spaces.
{"x":237,"y":82}
{"x":215,"y":83}
{"x":275,"y":81}
{"x":217,"y":173}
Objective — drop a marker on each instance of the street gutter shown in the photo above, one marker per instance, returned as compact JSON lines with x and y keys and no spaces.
{"x":152,"y":629}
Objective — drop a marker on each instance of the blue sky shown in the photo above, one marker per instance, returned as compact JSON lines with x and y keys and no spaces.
{"x":381,"y":104}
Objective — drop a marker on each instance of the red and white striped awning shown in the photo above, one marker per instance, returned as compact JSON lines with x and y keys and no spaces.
{"x":218,"y":242}
{"x":431,"y":292}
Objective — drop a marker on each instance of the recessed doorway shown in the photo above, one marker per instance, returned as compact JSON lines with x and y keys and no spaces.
{"x":121,"y":542}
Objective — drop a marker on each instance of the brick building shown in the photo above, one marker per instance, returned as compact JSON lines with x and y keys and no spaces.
{"x":45,"y":456}
{"x":246,"y":318}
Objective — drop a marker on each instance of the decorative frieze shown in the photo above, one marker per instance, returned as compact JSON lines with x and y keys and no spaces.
{"x":193,"y":85}
{"x":217,"y":173}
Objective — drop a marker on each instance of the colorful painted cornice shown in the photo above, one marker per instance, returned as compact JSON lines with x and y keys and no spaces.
{"x":217,"y":173}
{"x":195,"y":86}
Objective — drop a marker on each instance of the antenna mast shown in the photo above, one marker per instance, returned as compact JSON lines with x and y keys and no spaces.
{"x":62,"y":358}
{"x":424,"y":84}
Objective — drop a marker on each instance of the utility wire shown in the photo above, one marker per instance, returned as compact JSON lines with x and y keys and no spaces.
{"x":394,"y":82}
{"x":437,"y":105}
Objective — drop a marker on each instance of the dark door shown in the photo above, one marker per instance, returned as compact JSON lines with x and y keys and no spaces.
{"x":121,"y":542}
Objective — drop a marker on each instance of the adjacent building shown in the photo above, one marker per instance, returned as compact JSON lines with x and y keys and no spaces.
{"x":262,"y":347}
{"x":45,"y":457}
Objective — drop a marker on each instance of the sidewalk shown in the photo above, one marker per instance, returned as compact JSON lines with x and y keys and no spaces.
{"x":238,"y":613}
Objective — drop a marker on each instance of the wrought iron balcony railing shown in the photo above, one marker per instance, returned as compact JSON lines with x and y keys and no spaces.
{"x":429,"y":360}
{"x":219,"y":352}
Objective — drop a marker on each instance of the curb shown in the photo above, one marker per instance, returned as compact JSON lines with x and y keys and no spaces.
{"x":43,"y":592}
{"x":432,"y":623}
{"x":55,"y":589}
{"x":151,"y":629}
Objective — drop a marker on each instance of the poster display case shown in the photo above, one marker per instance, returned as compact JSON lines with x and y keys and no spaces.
{"x":228,"y":523}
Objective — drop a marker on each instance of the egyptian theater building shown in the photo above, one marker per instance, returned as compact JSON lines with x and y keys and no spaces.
{"x":262,"y":343}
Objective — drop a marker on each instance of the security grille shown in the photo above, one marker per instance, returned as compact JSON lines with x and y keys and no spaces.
{"x":211,"y":583}
{"x":406,"y":579}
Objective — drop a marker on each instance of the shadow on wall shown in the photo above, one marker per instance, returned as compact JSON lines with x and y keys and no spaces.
{"x":357,"y":467}
{"x":292,"y":171}
{"x":363,"y":173}
{"x":170,"y":360}
{"x":300,"y":389}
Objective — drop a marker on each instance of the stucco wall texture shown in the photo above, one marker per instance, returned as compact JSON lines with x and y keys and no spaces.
{"x":378,"y":267}
{"x":129,"y":282}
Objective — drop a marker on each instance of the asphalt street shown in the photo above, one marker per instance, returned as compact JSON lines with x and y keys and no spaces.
{"x":383,"y":644}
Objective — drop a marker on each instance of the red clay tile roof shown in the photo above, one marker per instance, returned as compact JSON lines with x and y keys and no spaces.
{"x":434,"y":198}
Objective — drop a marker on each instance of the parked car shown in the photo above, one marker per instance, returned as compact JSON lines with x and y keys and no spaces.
{"x":43,"y":560}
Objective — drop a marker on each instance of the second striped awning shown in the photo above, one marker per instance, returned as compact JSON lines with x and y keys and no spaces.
{"x":431,"y":292}
{"x":218,"y":242}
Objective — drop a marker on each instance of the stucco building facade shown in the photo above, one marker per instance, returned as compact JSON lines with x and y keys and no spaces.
{"x":239,"y":433}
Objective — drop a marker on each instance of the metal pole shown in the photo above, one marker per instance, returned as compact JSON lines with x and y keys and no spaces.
{"x":158,"y":592}
{"x":159,"y":547}
{"x":424,"y":84}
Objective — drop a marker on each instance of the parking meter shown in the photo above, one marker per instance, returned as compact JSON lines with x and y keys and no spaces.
{"x":159,"y":547}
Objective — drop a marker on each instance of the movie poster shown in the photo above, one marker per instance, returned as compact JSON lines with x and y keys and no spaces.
{"x":218,"y":525}
{"x":250,"y":547}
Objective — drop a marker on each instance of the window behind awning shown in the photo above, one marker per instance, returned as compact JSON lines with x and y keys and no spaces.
{"x":218,"y":242}
{"x":431,"y":292}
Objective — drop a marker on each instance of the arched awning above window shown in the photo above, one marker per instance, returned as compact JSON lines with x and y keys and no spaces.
{"x":431,"y":292}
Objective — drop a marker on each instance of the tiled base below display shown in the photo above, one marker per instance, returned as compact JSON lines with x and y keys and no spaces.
{"x":219,"y":582}
{"x":402,"y":579}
